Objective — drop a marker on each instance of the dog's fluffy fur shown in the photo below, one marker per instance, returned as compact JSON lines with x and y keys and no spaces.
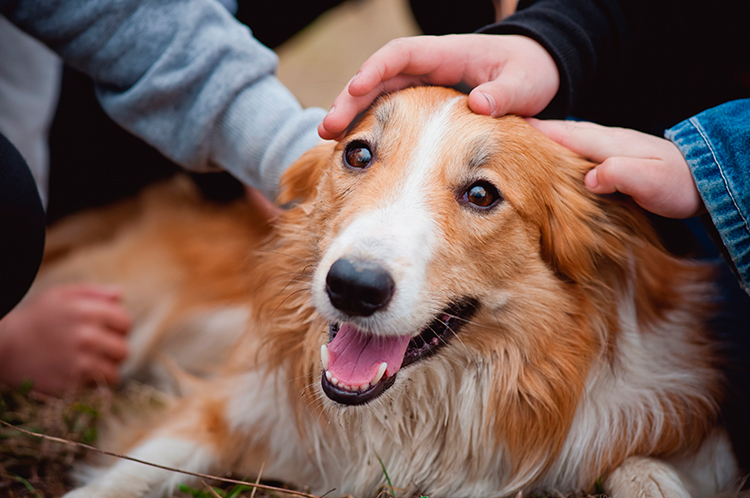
{"x":584,"y":352}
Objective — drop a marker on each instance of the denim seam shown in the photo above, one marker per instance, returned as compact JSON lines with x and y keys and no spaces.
{"x":703,"y":135}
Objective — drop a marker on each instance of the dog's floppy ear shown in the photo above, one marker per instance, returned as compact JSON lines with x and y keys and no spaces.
{"x":300,"y":181}
{"x":576,"y":231}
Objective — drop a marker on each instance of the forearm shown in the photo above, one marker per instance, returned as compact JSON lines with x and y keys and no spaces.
{"x":586,"y":38}
{"x":715,"y":146}
{"x":184,"y":76}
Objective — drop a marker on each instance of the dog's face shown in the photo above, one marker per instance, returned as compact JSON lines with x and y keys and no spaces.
{"x":438,"y":230}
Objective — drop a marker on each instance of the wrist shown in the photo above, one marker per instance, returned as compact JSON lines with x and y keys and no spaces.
{"x":8,"y":349}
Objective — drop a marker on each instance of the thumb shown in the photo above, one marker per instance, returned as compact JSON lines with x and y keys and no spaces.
{"x":635,"y":177}
{"x":492,"y":98}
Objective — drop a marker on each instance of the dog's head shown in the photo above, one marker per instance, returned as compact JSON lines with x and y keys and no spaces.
{"x":436,"y":229}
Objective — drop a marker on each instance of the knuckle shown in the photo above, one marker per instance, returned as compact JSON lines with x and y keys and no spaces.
{"x":121,"y":351}
{"x":85,"y":338}
{"x":84,"y":366}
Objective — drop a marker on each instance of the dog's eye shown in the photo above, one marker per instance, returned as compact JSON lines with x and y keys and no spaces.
{"x":481,"y":194}
{"x":357,"y":155}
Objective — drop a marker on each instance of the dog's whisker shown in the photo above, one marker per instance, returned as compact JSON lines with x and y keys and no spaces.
{"x":290,"y":295}
{"x":296,"y":279}
{"x":279,"y":277}
{"x":278,"y":253}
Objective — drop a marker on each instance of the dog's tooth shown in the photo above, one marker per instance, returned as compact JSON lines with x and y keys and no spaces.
{"x":334,"y":381}
{"x":379,"y":375}
{"x":324,"y":356}
{"x":329,"y":377}
{"x":364,"y":387}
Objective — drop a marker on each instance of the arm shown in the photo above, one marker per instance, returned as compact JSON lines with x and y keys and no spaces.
{"x":184,"y":76}
{"x":586,"y":38}
{"x":715,"y":144}
{"x":704,"y":166}
{"x":551,"y":47}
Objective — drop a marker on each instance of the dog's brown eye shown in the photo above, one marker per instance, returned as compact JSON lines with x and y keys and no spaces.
{"x":482,"y":194}
{"x":357,"y":155}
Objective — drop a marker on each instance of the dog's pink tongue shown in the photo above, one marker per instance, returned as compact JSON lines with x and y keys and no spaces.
{"x":354,"y":358}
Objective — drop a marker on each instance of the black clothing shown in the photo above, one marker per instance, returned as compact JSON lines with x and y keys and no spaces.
{"x":21,"y":227}
{"x":642,"y":64}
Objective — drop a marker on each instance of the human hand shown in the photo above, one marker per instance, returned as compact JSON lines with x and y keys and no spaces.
{"x":266,"y":208}
{"x":64,"y":338}
{"x":509,"y":73}
{"x":649,"y":169}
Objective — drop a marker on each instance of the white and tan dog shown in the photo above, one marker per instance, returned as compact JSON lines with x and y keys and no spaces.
{"x":446,"y":297}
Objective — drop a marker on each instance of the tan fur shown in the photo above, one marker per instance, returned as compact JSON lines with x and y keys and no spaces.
{"x":570,"y":287}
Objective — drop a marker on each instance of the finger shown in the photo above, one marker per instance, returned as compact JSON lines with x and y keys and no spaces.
{"x":415,"y":56}
{"x":641,"y":179}
{"x":494,"y":98}
{"x":596,"y":142}
{"x":105,"y":372}
{"x":117,"y":319}
{"x":345,"y":108}
{"x":103,"y":342}
{"x":93,"y":369}
{"x":511,"y":93}
{"x":584,"y":138}
{"x":267,"y":209}
{"x":96,"y":291}
{"x":106,"y":313}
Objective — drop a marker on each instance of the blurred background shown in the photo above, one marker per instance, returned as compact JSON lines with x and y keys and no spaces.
{"x":317,"y":62}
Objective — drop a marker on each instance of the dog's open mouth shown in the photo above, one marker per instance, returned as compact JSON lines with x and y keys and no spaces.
{"x":358,"y":368}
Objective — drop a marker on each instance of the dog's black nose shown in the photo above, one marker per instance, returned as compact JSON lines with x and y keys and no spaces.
{"x":357,"y":288}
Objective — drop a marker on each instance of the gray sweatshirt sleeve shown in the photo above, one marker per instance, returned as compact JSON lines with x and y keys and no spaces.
{"x":184,"y":76}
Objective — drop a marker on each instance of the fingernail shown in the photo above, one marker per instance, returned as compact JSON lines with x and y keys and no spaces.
{"x":491,"y":102}
{"x":591,"y":181}
{"x":332,"y":110}
{"x":353,"y":78}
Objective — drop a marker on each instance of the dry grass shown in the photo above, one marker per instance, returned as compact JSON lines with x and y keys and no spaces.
{"x":31,"y":466}
{"x":39,"y":467}
{"x":36,"y":467}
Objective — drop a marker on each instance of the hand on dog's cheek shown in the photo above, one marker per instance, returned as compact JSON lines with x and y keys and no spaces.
{"x":649,"y":169}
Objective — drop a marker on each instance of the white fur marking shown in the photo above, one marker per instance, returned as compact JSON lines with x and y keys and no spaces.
{"x":400,"y":235}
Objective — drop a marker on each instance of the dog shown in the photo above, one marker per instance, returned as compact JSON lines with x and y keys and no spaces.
{"x":443,"y":300}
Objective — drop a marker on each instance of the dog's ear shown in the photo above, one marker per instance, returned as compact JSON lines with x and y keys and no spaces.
{"x":577,"y":232}
{"x":598,"y":241}
{"x":300,"y":181}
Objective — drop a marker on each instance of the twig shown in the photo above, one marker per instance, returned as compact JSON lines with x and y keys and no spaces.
{"x":210,"y":489}
{"x":257,"y":480}
{"x":156,"y":465}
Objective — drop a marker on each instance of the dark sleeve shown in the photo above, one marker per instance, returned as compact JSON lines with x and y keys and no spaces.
{"x":21,"y":227}
{"x":585,"y":38}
